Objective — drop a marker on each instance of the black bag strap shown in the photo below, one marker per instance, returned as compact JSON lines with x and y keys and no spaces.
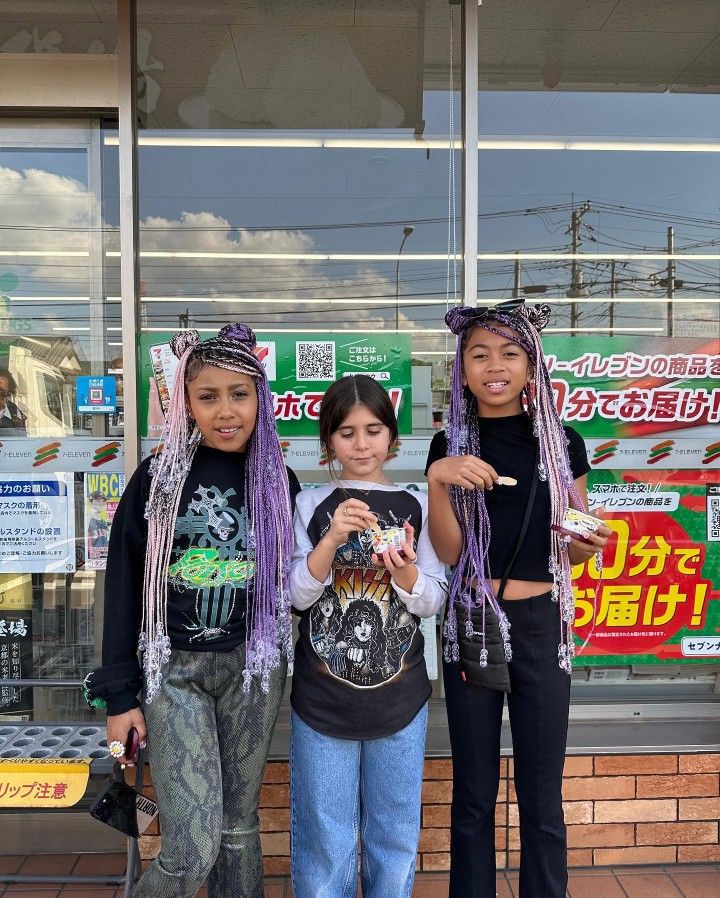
{"x":526,"y":521}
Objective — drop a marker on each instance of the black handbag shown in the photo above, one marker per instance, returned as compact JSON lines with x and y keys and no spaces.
{"x":122,"y":807}
{"x":494,"y":674}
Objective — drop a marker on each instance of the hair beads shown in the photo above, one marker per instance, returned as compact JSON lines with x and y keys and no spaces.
{"x":267,"y":506}
{"x":471,"y":584}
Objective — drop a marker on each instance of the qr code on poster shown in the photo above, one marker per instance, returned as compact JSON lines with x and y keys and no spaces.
{"x":713,"y":518}
{"x":315,"y":360}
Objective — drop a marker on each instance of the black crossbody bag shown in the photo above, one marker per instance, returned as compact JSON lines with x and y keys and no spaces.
{"x":494,"y":675}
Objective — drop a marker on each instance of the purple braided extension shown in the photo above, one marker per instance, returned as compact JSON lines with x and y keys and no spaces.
{"x":267,"y":506}
{"x":168,"y":470}
{"x":270,"y":545}
{"x":471,"y":583}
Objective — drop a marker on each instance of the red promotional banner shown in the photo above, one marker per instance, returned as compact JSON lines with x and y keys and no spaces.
{"x":658,"y":597}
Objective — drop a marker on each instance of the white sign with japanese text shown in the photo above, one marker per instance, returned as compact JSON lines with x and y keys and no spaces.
{"x":37,"y":523}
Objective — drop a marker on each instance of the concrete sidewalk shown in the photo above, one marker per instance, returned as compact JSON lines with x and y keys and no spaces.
{"x":682,"y":881}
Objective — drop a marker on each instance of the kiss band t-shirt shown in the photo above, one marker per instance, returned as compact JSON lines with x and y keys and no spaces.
{"x":359,"y":661}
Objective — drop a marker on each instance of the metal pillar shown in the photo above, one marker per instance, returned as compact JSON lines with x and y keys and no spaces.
{"x":670,"y":282}
{"x":470,"y":151}
{"x":129,"y":270}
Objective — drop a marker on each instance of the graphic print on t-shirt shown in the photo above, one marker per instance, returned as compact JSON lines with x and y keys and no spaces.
{"x":210,"y":560}
{"x":359,"y":627}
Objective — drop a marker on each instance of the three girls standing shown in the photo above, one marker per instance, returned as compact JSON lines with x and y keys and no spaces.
{"x":218,"y":499}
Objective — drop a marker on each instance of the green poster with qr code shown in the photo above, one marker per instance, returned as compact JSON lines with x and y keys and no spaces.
{"x":300,"y":367}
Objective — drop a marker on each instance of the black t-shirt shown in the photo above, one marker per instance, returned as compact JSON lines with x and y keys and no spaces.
{"x":508,"y":444}
{"x":359,"y":664}
{"x":207,"y":575}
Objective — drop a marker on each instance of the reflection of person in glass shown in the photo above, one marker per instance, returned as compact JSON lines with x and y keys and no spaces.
{"x":11,"y":418}
{"x":98,"y":527}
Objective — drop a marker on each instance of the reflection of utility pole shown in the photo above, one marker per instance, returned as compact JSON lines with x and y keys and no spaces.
{"x":613,"y":294}
{"x":576,"y":281}
{"x":518,"y":269}
{"x":670,"y":282}
{"x":407,"y":231}
{"x":184,"y":320}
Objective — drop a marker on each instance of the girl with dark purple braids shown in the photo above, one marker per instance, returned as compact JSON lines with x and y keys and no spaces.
{"x":197,"y":582}
{"x":499,"y":478}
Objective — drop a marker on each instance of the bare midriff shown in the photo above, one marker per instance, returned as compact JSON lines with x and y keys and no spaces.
{"x":522,"y":589}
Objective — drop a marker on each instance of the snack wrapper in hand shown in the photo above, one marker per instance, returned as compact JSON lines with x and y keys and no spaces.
{"x":383,"y":540}
{"x":576,"y":523}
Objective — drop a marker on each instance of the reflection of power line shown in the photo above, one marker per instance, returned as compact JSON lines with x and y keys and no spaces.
{"x":660,"y":215}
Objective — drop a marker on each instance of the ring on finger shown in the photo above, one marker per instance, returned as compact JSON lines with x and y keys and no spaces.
{"x":117,"y":749}
{"x":345,"y":511}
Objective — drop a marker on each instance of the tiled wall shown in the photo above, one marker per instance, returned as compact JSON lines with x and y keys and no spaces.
{"x":620,"y":809}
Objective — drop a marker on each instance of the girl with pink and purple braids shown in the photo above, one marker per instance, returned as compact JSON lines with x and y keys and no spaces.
{"x":197,"y":583}
{"x":499,"y":479}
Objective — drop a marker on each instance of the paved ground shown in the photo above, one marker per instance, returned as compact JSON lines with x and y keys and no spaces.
{"x":689,"y":881}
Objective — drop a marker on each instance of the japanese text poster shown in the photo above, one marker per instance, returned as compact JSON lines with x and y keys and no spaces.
{"x":300,"y":368}
{"x":15,"y":660}
{"x":37,"y":523}
{"x":649,"y":411}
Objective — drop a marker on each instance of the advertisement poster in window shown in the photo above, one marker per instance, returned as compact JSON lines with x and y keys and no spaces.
{"x":102,"y":492}
{"x":649,"y":412}
{"x":300,"y":368}
{"x":15,"y":661}
{"x":37,"y":523}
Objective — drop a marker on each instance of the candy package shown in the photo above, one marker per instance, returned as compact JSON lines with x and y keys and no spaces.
{"x":575,"y":523}
{"x":385,"y":539}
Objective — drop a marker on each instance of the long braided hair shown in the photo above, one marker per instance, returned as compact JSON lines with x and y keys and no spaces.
{"x":471,"y":583}
{"x":267,"y":506}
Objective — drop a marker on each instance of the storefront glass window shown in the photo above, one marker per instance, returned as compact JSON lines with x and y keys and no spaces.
{"x":598,"y":194}
{"x":61,"y":407}
{"x":294,"y":166}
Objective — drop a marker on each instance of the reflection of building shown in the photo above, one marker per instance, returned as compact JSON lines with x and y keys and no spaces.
{"x":282,"y":149}
{"x":44,"y":371}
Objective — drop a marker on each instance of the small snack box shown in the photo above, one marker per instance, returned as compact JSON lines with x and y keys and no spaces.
{"x":575,"y":523}
{"x":385,"y":539}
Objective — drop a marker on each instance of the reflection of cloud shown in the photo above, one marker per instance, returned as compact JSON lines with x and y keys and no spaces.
{"x":290,"y":279}
{"x":37,"y":198}
{"x":46,"y":212}
{"x":50,"y":212}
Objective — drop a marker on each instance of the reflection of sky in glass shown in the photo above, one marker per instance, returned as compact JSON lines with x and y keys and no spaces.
{"x":635,"y":197}
{"x":53,"y":220}
{"x":330,"y":200}
{"x":65,"y":163}
{"x":597,"y":114}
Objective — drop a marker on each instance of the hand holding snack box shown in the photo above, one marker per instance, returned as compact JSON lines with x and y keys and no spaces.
{"x":576,"y":524}
{"x":392,"y":537}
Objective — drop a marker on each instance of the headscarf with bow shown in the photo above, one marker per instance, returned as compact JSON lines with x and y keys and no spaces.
{"x":508,"y":313}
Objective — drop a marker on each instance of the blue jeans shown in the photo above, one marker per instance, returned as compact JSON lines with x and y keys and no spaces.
{"x":341,"y":789}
